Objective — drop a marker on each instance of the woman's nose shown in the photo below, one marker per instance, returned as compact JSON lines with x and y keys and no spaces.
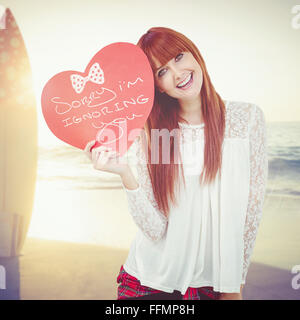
{"x":177,"y":73}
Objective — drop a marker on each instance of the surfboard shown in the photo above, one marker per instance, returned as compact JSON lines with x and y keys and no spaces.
{"x":18,"y":138}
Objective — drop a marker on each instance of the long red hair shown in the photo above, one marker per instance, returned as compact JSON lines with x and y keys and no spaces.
{"x":164,"y":44}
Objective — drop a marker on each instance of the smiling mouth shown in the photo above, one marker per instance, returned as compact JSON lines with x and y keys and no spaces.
{"x":186,"y":83}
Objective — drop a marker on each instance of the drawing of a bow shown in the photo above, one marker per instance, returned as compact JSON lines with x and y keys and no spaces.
{"x":96,"y":75}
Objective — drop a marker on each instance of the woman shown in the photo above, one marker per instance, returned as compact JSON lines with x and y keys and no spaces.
{"x":198,"y":214}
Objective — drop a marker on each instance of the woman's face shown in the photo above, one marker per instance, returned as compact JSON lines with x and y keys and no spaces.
{"x":181,"y":78}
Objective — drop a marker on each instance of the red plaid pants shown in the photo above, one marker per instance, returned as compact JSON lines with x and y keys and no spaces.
{"x":130,"y":287}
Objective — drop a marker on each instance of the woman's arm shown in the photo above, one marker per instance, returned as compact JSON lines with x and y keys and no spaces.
{"x":128,"y":180}
{"x":232,"y":296}
{"x":258,"y":180}
{"x":142,"y":204}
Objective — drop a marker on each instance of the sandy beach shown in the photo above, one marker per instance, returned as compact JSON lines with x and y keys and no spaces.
{"x":84,"y":216}
{"x":58,"y":270}
{"x":278,"y":239}
{"x":93,"y":231}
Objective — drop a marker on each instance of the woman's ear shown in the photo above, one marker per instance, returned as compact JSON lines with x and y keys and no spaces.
{"x":157,"y":86}
{"x":159,"y":89}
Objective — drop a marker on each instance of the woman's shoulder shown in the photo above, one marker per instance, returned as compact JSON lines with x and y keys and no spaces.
{"x":239,"y":106}
{"x":239,"y":116}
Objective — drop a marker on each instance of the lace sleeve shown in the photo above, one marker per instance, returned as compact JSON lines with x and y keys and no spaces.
{"x":258,"y":180}
{"x":142,"y":204}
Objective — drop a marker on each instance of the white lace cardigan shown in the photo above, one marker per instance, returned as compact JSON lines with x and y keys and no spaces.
{"x":246,"y":130}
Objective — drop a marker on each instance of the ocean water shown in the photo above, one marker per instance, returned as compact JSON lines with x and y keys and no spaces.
{"x":68,"y":167}
{"x":284,"y":158}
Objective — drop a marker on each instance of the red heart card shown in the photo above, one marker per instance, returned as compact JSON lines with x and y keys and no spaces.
{"x":109,"y":102}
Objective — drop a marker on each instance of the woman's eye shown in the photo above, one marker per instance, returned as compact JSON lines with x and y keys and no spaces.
{"x":161,"y":72}
{"x":178,"y":57}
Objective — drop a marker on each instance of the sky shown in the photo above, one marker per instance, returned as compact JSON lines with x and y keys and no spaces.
{"x":251,"y":47}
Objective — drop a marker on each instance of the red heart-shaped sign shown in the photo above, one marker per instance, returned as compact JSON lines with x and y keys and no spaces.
{"x":109,"y":102}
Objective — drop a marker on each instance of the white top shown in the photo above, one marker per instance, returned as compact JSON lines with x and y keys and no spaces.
{"x":209,"y":237}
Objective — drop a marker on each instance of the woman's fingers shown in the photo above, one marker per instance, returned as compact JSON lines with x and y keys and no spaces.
{"x":102,"y":148}
{"x":97,"y":151}
{"x":101,"y":155}
{"x":87,"y":149}
{"x":89,"y":145}
{"x":104,"y":157}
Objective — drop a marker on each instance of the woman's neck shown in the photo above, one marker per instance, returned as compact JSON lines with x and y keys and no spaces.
{"x":190,"y":110}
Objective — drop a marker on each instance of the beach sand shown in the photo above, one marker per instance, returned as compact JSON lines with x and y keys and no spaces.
{"x":278,"y":239}
{"x":93,"y":231}
{"x":58,"y":270}
{"x":83,"y":216}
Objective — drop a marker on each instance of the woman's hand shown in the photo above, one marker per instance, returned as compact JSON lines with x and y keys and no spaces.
{"x":104,"y":159}
{"x":232,"y":296}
